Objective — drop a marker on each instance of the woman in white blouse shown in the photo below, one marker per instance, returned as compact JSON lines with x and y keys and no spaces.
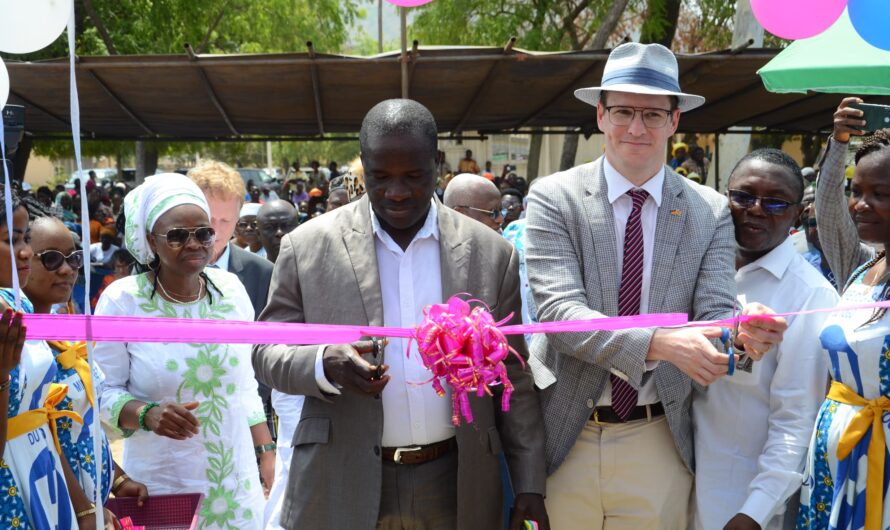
{"x":190,"y":413}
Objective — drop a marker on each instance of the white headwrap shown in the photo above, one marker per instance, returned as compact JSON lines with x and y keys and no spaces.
{"x":250,"y":208}
{"x":149,"y":201}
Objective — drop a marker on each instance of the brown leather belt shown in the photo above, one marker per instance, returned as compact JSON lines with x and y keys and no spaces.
{"x":419,"y":454}
{"x":607,"y":415}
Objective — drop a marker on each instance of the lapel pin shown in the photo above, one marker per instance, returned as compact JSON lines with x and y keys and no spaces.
{"x":677,"y":212}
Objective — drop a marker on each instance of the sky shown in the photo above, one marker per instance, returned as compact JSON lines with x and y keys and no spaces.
{"x":390,"y":20}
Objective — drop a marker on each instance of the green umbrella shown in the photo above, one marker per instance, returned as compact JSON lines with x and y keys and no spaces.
{"x":836,"y":61}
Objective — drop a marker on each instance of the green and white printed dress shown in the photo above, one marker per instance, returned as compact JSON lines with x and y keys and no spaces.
{"x":218,"y":462}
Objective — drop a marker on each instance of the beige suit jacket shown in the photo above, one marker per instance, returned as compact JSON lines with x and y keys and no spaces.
{"x":327,"y":273}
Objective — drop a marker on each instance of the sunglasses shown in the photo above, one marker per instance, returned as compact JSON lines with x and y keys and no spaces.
{"x":52,"y":260}
{"x":178,"y":237}
{"x":247,"y":225}
{"x":770,"y":205}
{"x":494,"y":213}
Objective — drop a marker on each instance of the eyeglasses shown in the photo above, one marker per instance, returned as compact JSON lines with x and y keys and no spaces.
{"x":247,"y":225}
{"x":274,"y":227}
{"x":770,"y":205}
{"x":652,"y":118}
{"x":494,"y":213}
{"x":177,"y":237}
{"x":53,"y":259}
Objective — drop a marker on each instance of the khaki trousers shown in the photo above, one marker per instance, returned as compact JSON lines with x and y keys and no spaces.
{"x":621,"y":477}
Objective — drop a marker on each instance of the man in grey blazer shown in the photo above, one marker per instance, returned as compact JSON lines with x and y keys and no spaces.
{"x":620,"y":236}
{"x":375,"y":447}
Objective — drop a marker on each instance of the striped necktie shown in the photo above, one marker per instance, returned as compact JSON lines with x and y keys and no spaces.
{"x":624,"y":396}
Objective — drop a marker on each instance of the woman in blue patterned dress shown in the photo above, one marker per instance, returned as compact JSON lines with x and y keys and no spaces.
{"x":845,"y":481}
{"x":32,"y":476}
{"x":54,"y":271}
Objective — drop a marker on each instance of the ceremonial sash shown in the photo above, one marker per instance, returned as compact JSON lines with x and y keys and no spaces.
{"x":74,"y":355}
{"x":32,"y":419}
{"x":869,"y":416}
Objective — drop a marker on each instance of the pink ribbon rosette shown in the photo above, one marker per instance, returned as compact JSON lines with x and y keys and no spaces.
{"x":462,"y":346}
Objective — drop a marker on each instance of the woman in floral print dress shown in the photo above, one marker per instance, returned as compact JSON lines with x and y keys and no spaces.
{"x":190,"y":413}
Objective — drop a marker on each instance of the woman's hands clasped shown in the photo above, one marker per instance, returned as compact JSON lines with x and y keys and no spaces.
{"x":173,"y":420}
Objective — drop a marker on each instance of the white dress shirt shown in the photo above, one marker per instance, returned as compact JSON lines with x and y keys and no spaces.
{"x":622,"y":205}
{"x":410,"y":280}
{"x":752,"y":430}
{"x":223,"y":261}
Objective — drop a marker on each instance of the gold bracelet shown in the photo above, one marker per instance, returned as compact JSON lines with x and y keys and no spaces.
{"x":90,"y":511}
{"x":118,"y":482}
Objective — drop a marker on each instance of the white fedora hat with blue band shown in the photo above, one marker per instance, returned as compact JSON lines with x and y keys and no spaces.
{"x":641,"y":69}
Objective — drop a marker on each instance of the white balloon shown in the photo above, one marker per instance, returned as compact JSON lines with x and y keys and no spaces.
{"x":30,"y":25}
{"x":4,"y":84}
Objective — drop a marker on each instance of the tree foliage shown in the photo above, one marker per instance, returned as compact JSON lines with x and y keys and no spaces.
{"x":268,"y":26}
{"x":229,"y":26}
{"x":660,"y":23}
{"x":210,"y":26}
{"x":539,"y":24}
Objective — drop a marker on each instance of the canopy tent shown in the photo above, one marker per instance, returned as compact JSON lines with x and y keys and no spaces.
{"x":836,"y":61}
{"x":490,"y":90}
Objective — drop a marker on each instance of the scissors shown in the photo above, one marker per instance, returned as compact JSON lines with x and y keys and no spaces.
{"x":379,"y":344}
{"x":728,"y":337}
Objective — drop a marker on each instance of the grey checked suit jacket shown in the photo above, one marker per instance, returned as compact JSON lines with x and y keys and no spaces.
{"x":837,"y":231}
{"x":327,"y":273}
{"x":573,"y":270}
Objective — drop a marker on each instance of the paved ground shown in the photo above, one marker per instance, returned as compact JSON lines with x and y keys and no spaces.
{"x":117,"y":443}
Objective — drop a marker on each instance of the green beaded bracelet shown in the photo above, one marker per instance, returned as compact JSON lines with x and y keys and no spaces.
{"x":147,"y":407}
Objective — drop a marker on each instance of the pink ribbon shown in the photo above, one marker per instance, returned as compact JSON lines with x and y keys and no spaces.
{"x":158,"y":329}
{"x":460,"y":344}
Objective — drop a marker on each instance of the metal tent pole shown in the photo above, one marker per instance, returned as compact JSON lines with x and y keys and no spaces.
{"x":403,"y":12}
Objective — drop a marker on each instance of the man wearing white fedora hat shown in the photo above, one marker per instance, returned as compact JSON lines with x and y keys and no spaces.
{"x":620,"y":236}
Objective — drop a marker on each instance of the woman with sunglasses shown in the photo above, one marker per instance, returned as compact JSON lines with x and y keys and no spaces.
{"x":190,"y":413}
{"x":33,"y":476}
{"x":54,"y":270}
{"x":845,"y":480}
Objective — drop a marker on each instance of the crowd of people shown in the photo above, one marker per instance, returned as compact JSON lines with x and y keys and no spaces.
{"x":693,"y":427}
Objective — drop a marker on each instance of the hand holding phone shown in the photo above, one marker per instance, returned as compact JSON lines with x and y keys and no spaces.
{"x":875,"y":116}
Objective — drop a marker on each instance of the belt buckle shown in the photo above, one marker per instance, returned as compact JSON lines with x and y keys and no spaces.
{"x":596,"y":416}
{"x":397,"y":456}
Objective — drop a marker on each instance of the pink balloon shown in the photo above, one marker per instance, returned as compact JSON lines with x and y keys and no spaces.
{"x":409,"y":3}
{"x":797,"y":19}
